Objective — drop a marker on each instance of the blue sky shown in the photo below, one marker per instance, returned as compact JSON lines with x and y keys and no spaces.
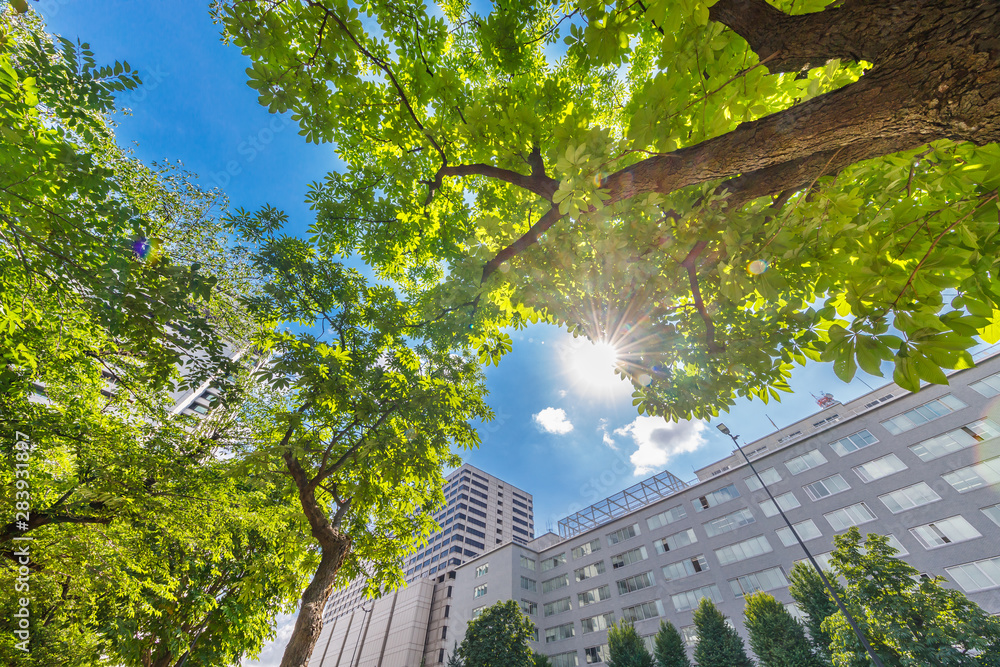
{"x":195,"y":107}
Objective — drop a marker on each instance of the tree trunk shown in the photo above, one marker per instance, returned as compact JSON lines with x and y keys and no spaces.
{"x":309,"y":623}
{"x":335,"y":545}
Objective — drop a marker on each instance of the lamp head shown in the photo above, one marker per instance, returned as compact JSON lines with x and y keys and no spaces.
{"x":722,"y":427}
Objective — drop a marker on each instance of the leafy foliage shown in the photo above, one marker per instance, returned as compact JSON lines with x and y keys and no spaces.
{"x":811,"y":596}
{"x":719,"y":645}
{"x":498,"y":637}
{"x":777,"y":639}
{"x":668,"y":649}
{"x":86,"y":229}
{"x":626,"y":648}
{"x":562,"y":162}
{"x":909,"y":620}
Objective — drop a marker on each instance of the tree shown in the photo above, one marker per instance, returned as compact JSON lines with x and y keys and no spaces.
{"x":453,"y":659}
{"x":722,"y":190}
{"x":669,"y":648}
{"x":811,"y":596}
{"x":626,"y":648}
{"x":498,"y":637}
{"x":88,"y":235}
{"x":541,"y":660}
{"x":909,"y":619}
{"x":776,"y":638}
{"x":360,"y":417}
{"x":718,"y":643}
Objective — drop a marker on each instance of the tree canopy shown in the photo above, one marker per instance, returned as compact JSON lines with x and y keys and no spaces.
{"x":720,"y":189}
{"x":909,"y":618}
{"x":498,"y":637}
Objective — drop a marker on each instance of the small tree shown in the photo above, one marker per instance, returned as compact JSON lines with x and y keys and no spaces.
{"x":626,"y":648}
{"x":718,"y":644}
{"x":811,"y":596}
{"x":669,"y":649}
{"x":777,"y":638}
{"x":542,"y":660}
{"x":498,"y":638}
{"x":909,"y":621}
{"x":453,"y":659}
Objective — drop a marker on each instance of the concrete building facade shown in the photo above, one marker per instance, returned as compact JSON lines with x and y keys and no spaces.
{"x":404,"y":627}
{"x":922,"y":467}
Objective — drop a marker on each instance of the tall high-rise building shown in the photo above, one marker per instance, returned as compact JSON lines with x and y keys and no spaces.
{"x":403,"y":628}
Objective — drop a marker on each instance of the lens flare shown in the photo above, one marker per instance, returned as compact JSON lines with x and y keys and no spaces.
{"x":757,"y":267}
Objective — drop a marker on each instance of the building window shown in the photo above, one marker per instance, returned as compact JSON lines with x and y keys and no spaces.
{"x":827,"y":487}
{"x":527,"y":563}
{"x":921,"y":415}
{"x":765,"y":580}
{"x":593,"y":595}
{"x":992,"y":513}
{"x":897,"y":545}
{"x":634,"y":583}
{"x":807,"y":530}
{"x":909,"y":497}
{"x":853,"y":515}
{"x":589,"y":571}
{"x":879,"y":468}
{"x":675,"y":541}
{"x":732,"y":521}
{"x":770,"y":476}
{"x":479,"y":591}
{"x":734,"y":553}
{"x":690,"y":599}
{"x":689,"y":635}
{"x":956,"y":440}
{"x":975,"y":476}
{"x":557,"y":607}
{"x":977,"y":576}
{"x":587,"y":549}
{"x":786,"y":501}
{"x":555,"y":583}
{"x":528,"y":584}
{"x":629,"y":557}
{"x":807,"y":461}
{"x":595,"y":623}
{"x":989,"y":386}
{"x":559,"y":633}
{"x":946,"y":531}
{"x":564,"y":659}
{"x":641,"y":612}
{"x":555,"y":561}
{"x":528,"y":607}
{"x":597,"y":654}
{"x":477,"y":611}
{"x":441,"y":656}
{"x":685,"y":568}
{"x":482,"y":570}
{"x":622,"y":534}
{"x":853,"y":443}
{"x":666,"y":518}
{"x":444,"y":632}
{"x":717,"y":497}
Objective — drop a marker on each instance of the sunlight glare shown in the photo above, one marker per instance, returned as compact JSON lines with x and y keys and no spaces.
{"x":593,"y":365}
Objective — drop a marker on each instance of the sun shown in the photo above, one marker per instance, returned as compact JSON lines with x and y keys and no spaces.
{"x":592,"y":365}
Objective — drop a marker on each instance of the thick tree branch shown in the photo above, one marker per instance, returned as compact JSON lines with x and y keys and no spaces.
{"x":530,"y":237}
{"x":852,"y":31}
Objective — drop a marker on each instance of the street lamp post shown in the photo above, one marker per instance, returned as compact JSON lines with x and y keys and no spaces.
{"x":819,"y":570}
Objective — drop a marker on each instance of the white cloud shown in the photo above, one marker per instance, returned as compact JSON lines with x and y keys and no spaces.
{"x":562,"y":393}
{"x":553,"y":420}
{"x":602,"y":426}
{"x":660,"y":440}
